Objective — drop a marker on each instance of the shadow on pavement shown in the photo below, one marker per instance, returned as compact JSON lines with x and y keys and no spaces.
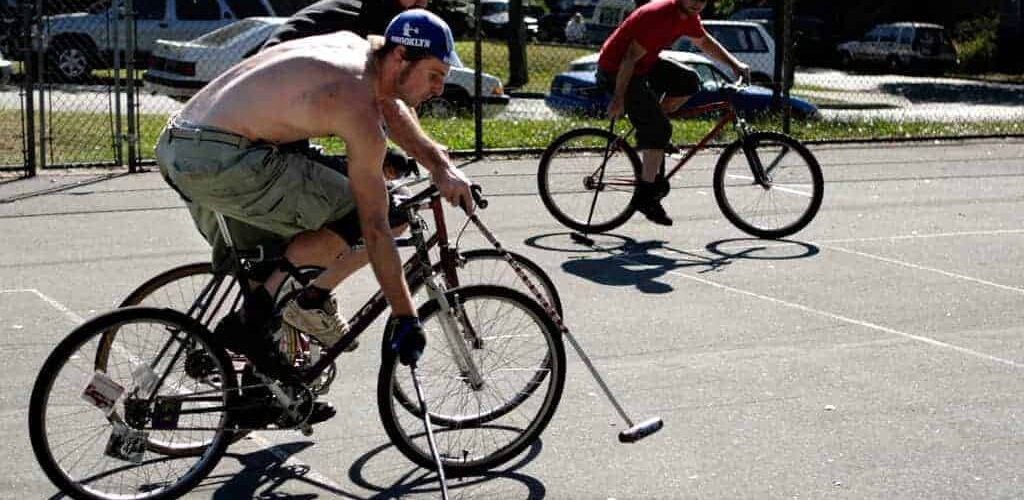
{"x":641,"y":264}
{"x":267,"y":471}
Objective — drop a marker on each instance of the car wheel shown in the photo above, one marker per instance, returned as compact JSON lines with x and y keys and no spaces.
{"x":845,"y":60}
{"x":70,"y":62}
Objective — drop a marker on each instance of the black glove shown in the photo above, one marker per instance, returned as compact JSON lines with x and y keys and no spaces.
{"x":406,"y":338}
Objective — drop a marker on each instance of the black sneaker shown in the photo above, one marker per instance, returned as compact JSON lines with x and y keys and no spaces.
{"x":255,"y":343}
{"x":660,"y":187}
{"x":652,"y":209}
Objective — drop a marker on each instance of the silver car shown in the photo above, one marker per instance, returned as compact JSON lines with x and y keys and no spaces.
{"x":901,"y":47}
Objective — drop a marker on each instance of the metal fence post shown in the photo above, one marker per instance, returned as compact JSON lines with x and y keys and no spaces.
{"x":115,"y":43}
{"x":787,"y":62}
{"x":39,"y":62}
{"x":25,"y":41}
{"x":132,"y":116}
{"x":478,"y":110}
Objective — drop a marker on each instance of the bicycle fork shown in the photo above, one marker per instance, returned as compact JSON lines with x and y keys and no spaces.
{"x":456,"y":343}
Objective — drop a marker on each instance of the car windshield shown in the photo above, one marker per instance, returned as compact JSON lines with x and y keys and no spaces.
{"x":223,"y":35}
{"x":492,"y":8}
{"x":583,"y":66}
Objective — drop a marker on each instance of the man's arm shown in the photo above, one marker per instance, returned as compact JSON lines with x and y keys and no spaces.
{"x":365,"y":150}
{"x":634,"y":53}
{"x":712,"y":48}
{"x":404,"y":129}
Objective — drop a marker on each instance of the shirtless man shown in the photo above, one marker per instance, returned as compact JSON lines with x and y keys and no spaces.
{"x":220,"y":153}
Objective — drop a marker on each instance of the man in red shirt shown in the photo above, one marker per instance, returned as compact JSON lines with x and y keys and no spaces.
{"x":630,"y":66}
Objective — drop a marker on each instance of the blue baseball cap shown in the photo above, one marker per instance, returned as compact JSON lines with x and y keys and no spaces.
{"x":423,"y":29}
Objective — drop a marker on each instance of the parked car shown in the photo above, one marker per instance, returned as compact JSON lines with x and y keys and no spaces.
{"x":901,"y":47}
{"x":494,"y":19}
{"x":75,"y":44}
{"x":607,"y":15}
{"x":179,"y":69}
{"x":6,"y":70}
{"x":811,"y":36}
{"x":576,"y":92}
{"x":748,"y":41}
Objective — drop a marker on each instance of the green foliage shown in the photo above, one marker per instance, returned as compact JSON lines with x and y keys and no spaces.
{"x":976,"y":42}
{"x":544,"y":61}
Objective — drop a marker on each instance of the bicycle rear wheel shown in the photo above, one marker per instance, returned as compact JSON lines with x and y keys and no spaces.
{"x":522,"y":361}
{"x":587,"y":180}
{"x":92,"y":430}
{"x":786,"y":202}
{"x":487,"y":266}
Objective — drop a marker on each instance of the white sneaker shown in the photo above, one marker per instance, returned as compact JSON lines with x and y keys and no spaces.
{"x":326,"y":325}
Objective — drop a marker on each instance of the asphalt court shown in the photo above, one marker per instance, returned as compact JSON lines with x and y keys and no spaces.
{"x":877,"y":354}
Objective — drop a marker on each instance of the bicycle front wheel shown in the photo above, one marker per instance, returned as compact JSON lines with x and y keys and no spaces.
{"x":519,"y":354}
{"x":778,"y":203}
{"x":587,"y":180}
{"x":163,"y":382}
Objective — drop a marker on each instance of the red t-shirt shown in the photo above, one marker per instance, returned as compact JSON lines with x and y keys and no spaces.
{"x":655,"y":26}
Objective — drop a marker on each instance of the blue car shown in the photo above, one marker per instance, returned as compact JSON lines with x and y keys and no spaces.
{"x":576,"y":92}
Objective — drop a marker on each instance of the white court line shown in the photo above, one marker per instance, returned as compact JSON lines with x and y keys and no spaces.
{"x":774,"y":186}
{"x":926,"y":268}
{"x":76,"y":319}
{"x":991,"y":232}
{"x":844,"y":319}
{"x":282,"y":456}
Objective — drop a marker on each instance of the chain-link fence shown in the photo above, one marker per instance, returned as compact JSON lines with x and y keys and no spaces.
{"x":888,"y":70}
{"x":823,"y":72}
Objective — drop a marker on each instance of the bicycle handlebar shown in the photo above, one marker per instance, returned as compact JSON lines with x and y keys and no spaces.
{"x":431,"y":191}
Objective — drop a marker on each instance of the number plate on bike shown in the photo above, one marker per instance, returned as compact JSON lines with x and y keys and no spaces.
{"x":102,"y":392}
{"x":126,"y":444}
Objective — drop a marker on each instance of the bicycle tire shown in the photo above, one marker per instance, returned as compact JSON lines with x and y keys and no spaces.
{"x":503,"y":274}
{"x":164,"y":320}
{"x":498,"y":303}
{"x":738,"y":196}
{"x":616,"y":178}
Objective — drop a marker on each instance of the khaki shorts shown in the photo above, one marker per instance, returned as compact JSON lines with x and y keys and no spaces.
{"x":267,"y":194}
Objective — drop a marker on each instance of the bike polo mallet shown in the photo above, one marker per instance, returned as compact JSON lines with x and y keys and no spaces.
{"x":634,"y":432}
{"x":397,"y":338}
{"x":430,"y":431}
{"x":582,"y":238}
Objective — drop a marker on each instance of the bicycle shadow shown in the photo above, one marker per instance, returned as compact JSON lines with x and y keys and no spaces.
{"x":642,"y":264}
{"x":381,"y":470}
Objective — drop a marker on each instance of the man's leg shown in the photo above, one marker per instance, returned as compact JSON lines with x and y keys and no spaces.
{"x":653,"y":132}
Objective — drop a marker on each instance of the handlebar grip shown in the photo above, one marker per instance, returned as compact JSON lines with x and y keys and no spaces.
{"x":478,"y":196}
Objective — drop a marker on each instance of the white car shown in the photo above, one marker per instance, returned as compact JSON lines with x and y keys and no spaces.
{"x":748,"y":41}
{"x":179,"y":69}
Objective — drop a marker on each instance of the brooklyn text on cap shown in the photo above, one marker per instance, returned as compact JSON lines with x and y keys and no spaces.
{"x":423,"y":29}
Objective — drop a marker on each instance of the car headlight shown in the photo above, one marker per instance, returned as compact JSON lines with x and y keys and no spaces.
{"x":498,"y":90}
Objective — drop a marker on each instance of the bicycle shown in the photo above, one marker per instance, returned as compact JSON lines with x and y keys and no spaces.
{"x":148,"y":395}
{"x":760,"y":178}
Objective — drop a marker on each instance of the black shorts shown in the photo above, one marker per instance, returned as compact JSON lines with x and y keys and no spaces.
{"x":642,"y":99}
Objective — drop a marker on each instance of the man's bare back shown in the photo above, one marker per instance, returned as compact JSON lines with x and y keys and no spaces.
{"x":297,"y":90}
